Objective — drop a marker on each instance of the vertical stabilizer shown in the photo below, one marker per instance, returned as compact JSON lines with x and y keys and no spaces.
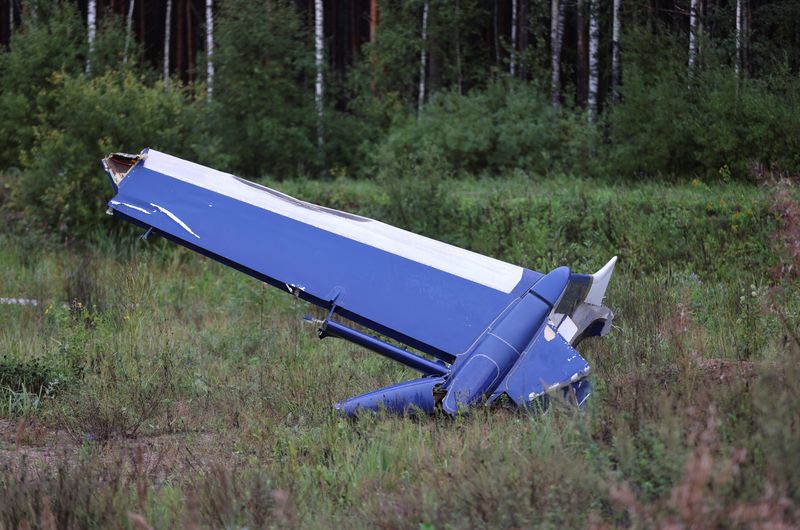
{"x":600,"y":281}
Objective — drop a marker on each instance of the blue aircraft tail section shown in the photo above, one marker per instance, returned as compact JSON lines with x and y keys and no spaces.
{"x":495,"y":328}
{"x":429,"y":295}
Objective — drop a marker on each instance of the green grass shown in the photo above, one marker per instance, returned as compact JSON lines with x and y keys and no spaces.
{"x":185,"y":393}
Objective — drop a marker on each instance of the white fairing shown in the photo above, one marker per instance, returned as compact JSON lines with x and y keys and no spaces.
{"x":590,"y":310}
{"x":600,"y":281}
{"x":472,"y":266}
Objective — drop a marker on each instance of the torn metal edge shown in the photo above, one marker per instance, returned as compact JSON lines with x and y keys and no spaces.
{"x":118,"y":165}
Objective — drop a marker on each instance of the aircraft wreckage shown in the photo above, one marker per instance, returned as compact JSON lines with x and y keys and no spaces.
{"x":484,"y":330}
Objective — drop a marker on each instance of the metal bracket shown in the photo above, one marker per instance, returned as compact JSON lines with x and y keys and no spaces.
{"x":323,"y":324}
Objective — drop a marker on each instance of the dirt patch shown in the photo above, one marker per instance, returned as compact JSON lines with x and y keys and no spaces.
{"x":159,"y":457}
{"x":725,"y":370}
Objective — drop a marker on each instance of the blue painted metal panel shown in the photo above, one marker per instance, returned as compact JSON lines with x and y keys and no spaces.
{"x":551,"y":286}
{"x":477,"y":374}
{"x":488,"y":319}
{"x":434,"y":311}
{"x":404,"y":397}
{"x":548,"y":362}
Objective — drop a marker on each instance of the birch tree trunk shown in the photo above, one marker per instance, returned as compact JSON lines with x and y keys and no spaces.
{"x":616,"y":65}
{"x":522,"y":36}
{"x":738,"y":64}
{"x":167,"y":32}
{"x":128,"y":28}
{"x":512,"y":64}
{"x":423,"y":58}
{"x":10,"y":19}
{"x":556,"y":26}
{"x":594,"y":66}
{"x":209,"y":49}
{"x":91,"y":23}
{"x":319,"y":56}
{"x":693,"y":8}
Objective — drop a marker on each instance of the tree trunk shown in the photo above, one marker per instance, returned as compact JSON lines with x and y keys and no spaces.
{"x":10,"y":19}
{"x":319,"y":56}
{"x":373,"y":29}
{"x":737,"y":65}
{"x":128,"y":28}
{"x":167,"y":35}
{"x":594,"y":66}
{"x":458,"y":47}
{"x":190,"y":44}
{"x":91,"y":23}
{"x":141,"y":24}
{"x":179,"y":40}
{"x":512,"y":64}
{"x":616,"y":65}
{"x":209,"y":49}
{"x":522,"y":36}
{"x":496,"y":34}
{"x":693,"y":10}
{"x":580,"y":44}
{"x":373,"y":19}
{"x":555,"y":52}
{"x":423,"y":58}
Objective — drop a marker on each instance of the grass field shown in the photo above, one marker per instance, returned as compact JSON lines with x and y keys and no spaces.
{"x":152,"y":387}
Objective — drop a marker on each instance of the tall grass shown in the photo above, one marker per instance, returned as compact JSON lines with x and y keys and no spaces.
{"x":181,"y":393}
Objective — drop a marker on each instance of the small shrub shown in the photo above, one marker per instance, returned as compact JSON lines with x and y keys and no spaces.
{"x":62,"y":186}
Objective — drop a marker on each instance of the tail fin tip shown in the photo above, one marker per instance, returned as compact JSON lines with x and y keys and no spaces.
{"x":600,"y":281}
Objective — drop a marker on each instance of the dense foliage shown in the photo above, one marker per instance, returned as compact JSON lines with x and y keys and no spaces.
{"x":173,"y":390}
{"x":144,"y":386}
{"x":56,"y":121}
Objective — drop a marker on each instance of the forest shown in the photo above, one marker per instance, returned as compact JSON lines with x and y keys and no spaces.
{"x":143,"y":386}
{"x":640,"y":91}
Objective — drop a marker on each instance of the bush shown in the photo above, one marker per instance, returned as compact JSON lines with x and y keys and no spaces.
{"x":714,"y":126}
{"x":62,"y":185}
{"x":50,"y":42}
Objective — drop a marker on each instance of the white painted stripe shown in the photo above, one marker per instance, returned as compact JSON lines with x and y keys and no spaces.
{"x":466,"y":264}
{"x":175,"y":218}
{"x":115,"y":203}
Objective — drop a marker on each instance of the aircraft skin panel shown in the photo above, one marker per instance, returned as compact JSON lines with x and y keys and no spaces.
{"x":402,"y":296}
{"x":460,"y":262}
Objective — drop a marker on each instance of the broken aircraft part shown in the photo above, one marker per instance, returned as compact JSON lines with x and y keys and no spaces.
{"x":495,"y":330}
